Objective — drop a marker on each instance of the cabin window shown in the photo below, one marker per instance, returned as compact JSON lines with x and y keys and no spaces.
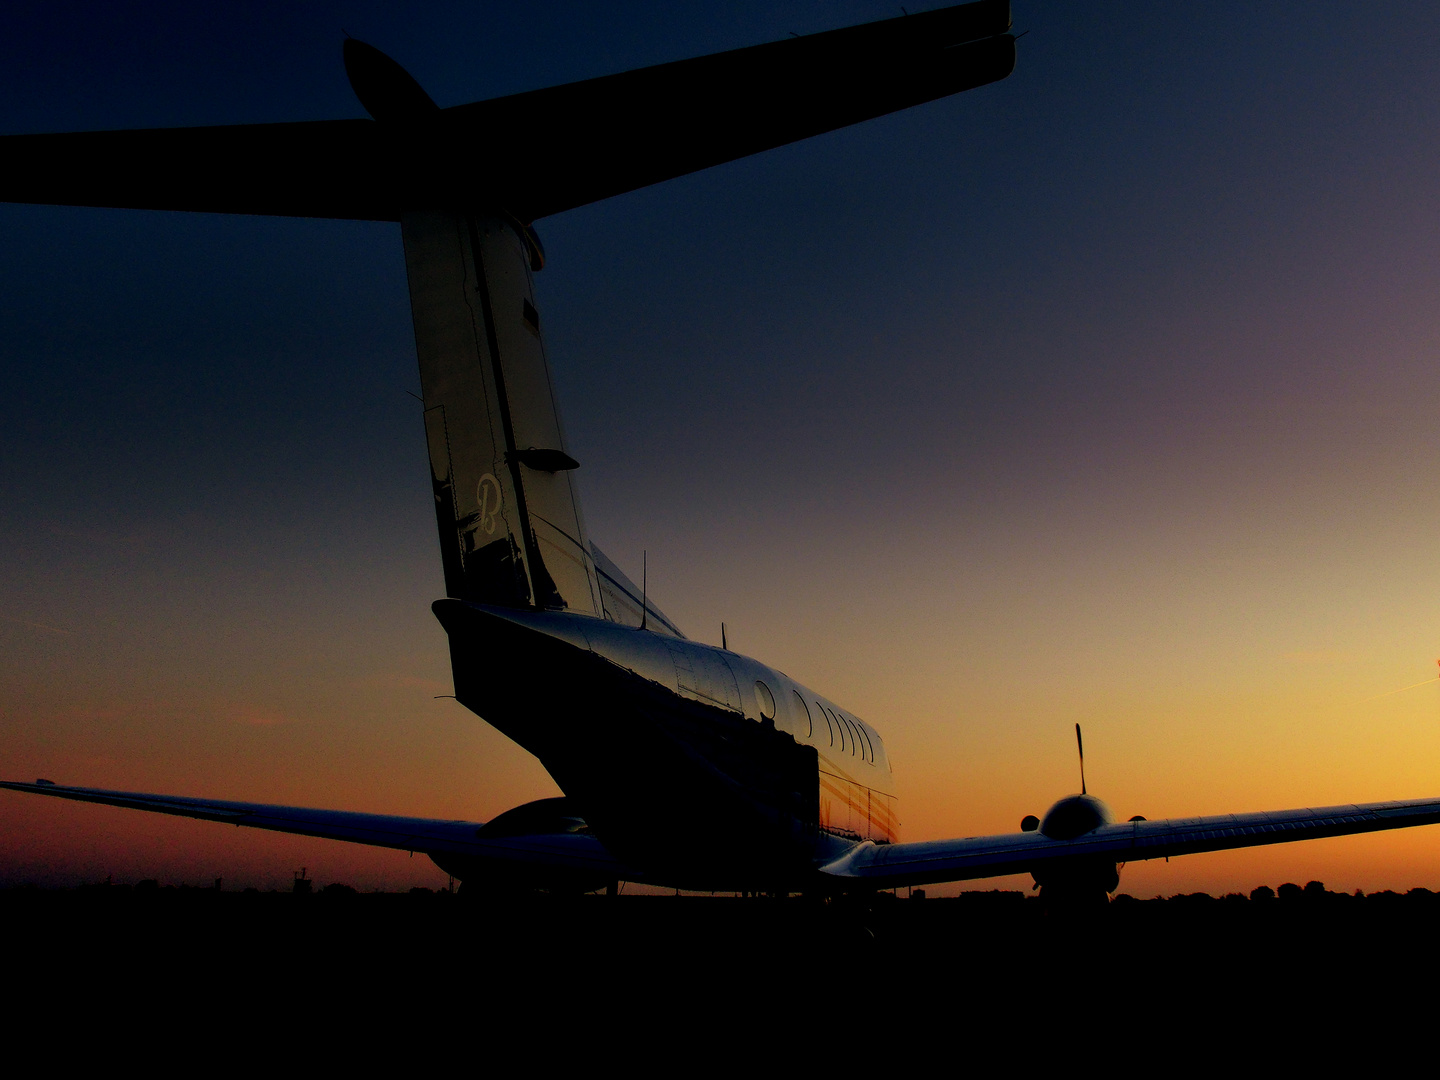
{"x":805,"y":709}
{"x":857,"y":745}
{"x":766,"y":700}
{"x":855,"y":730}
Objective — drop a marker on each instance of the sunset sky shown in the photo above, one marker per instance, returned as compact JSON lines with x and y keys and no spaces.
{"x":1104,"y":394}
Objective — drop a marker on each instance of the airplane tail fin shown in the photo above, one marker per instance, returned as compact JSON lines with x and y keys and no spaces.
{"x":511,"y":530}
{"x":465,"y":183}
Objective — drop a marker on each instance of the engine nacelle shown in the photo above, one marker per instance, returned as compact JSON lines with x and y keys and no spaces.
{"x":1075,"y":815}
{"x":543,"y":817}
{"x":1076,"y":883}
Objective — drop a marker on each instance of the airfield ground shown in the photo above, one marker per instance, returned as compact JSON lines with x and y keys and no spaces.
{"x":663,"y":968}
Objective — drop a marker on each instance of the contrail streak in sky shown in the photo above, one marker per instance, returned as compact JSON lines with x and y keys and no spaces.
{"x":1402,"y":689}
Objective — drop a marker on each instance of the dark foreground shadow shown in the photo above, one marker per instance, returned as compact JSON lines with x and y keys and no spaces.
{"x":651,"y":975}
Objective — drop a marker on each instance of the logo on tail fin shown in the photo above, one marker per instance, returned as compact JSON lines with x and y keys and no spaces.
{"x":488,"y":496}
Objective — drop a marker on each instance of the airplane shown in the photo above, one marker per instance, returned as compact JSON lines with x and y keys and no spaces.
{"x":682,"y":764}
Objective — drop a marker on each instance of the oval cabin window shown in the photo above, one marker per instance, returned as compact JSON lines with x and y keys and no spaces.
{"x":766,"y":700}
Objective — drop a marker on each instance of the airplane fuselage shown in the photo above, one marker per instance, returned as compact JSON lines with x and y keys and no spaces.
{"x":701,"y":767}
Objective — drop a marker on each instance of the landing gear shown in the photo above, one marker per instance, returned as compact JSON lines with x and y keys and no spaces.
{"x":1081,"y":887}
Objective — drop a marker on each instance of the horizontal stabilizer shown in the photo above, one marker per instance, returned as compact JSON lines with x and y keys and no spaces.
{"x":530,"y":154}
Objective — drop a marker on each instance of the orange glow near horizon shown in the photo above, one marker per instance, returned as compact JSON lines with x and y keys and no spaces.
{"x":1217,"y":661}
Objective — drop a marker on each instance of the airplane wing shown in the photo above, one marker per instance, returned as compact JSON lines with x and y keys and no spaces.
{"x":869,"y":865}
{"x":446,"y":841}
{"x":532,"y":154}
{"x":885,"y":866}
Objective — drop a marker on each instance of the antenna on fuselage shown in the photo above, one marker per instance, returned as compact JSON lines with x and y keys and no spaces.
{"x":1080,"y":745}
{"x":722,"y":637}
{"x":644,"y":587}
